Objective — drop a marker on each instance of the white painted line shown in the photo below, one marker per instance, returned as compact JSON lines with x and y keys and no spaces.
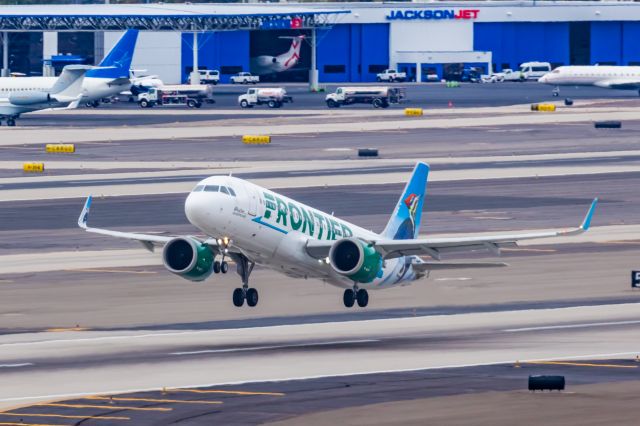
{"x":287,"y":379}
{"x":261,"y":348}
{"x":24,"y":364}
{"x":560,"y":327}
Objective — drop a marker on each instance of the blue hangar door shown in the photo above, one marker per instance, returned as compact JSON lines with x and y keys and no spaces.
{"x":227,"y":51}
{"x":352,"y":52}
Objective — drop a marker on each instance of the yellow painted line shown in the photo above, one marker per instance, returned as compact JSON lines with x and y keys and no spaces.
{"x":110,"y":271}
{"x":582,"y":364}
{"x":227,"y":392}
{"x":530,"y":249}
{"x":62,"y":416}
{"x":60,"y":330}
{"x":107,"y":407}
{"x":117,"y":398}
{"x":27,"y":424}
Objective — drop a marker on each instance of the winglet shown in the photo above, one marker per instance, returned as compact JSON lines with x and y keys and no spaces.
{"x":84,"y":215}
{"x":586,"y":223}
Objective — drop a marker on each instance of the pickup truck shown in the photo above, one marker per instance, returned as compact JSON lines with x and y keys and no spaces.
{"x":391,"y":75}
{"x":244,"y":78}
{"x":511,"y":75}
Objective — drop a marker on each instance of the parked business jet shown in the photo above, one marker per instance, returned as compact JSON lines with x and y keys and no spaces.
{"x":253,"y":225}
{"x":109,"y":78}
{"x":66,"y":92}
{"x":610,"y":77}
{"x":265,"y":64}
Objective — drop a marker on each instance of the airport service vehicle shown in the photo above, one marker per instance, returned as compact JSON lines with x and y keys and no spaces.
{"x":534,"y":70}
{"x":379,"y":97}
{"x":108,"y":79}
{"x":255,"y":226}
{"x":244,"y":78}
{"x":391,"y":75}
{"x":191,"y":95}
{"x":266,"y":64}
{"x":272,"y":97}
{"x":65,"y":93}
{"x":208,"y":77}
{"x":610,"y":77}
{"x":511,"y":75}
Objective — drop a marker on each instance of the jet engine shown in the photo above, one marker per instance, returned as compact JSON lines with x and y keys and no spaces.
{"x":29,"y":98}
{"x":188,"y":258}
{"x":355,"y":259}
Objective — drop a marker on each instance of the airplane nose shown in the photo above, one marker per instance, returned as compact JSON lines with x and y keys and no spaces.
{"x":195,"y":208}
{"x":543,"y":79}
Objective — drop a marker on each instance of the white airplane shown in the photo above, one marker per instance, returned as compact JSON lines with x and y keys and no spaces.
{"x":609,"y":77}
{"x":65,"y":93}
{"x":108,"y":79}
{"x":265,"y":64}
{"x":253,"y":225}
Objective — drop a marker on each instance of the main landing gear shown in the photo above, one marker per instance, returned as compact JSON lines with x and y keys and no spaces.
{"x":556,"y":92}
{"x":245,"y":293}
{"x":351,"y":296}
{"x":11,"y":121}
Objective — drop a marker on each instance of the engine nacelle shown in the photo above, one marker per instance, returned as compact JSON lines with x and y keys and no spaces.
{"x":29,"y":98}
{"x":188,"y":258}
{"x":355,"y":259}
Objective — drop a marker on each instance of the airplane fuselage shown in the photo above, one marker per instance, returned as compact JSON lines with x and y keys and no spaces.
{"x":628,"y":77}
{"x":93,"y":88}
{"x":272,"y":230}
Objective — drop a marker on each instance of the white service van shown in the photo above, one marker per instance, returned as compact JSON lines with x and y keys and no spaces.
{"x":534,"y":70}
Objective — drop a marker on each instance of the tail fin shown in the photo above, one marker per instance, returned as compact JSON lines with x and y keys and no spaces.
{"x":68,"y":86}
{"x":118,"y":61}
{"x":405,"y":221}
{"x":293,"y":55}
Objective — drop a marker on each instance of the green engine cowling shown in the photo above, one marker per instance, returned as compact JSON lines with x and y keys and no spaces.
{"x":355,"y":259}
{"x":188,"y":258}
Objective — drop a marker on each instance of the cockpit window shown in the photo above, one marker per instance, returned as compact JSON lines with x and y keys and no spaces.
{"x":198,"y":188}
{"x":224,"y":189}
{"x":212,"y":188}
{"x":231,"y":191}
{"x":556,"y":71}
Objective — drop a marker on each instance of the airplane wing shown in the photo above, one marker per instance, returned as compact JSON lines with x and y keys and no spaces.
{"x":119,"y":81}
{"x":436,"y":266}
{"x":148,"y":241}
{"x":435,"y":247}
{"x":630,"y":84}
{"x":8,"y":109}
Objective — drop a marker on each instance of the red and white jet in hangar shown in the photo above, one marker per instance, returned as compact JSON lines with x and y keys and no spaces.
{"x":253,"y":225}
{"x":266,"y":64}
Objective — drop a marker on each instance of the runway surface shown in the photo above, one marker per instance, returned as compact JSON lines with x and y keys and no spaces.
{"x":84,"y":316}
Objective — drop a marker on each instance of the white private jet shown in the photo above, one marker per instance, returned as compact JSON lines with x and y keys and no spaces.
{"x":65,"y":93}
{"x":609,"y":77}
{"x":253,"y":225}
{"x":266,"y":64}
{"x":108,"y":79}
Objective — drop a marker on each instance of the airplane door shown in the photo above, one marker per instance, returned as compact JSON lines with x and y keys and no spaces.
{"x":252,"y":195}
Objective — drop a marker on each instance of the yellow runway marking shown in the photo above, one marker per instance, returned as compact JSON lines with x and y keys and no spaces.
{"x":62,"y":416}
{"x":530,"y":249}
{"x":227,"y":392}
{"x":60,"y":330}
{"x":582,"y":364}
{"x":110,"y":271}
{"x":107,"y":407}
{"x":26,"y":424}
{"x":117,"y":398}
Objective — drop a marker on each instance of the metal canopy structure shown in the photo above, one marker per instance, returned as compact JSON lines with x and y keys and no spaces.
{"x":161,"y":17}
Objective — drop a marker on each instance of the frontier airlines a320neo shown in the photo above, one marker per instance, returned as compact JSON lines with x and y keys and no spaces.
{"x":253,"y":225}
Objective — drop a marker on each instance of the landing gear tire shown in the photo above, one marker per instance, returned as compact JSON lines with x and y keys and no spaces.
{"x":238,"y":297}
{"x":555,"y":94}
{"x":349,"y":298}
{"x":224,"y":267}
{"x":11,"y":122}
{"x":362,"y":296}
{"x":252,"y":297}
{"x":216,"y":267}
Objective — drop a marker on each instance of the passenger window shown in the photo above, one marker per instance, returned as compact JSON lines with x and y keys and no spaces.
{"x":231,"y":191}
{"x":198,"y":188}
{"x":224,"y":190}
{"x":212,"y":188}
